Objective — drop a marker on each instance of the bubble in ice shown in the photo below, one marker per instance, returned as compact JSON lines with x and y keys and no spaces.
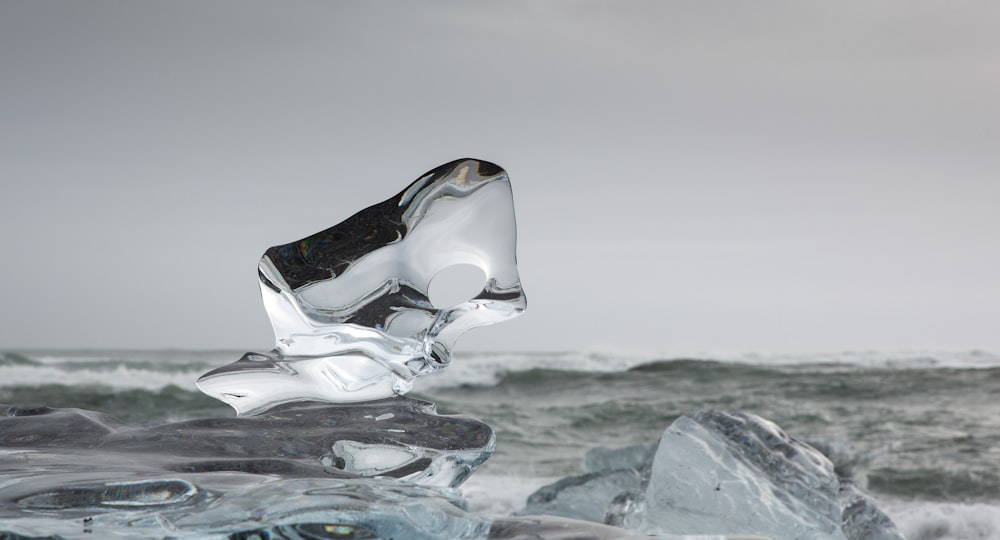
{"x":351,"y":306}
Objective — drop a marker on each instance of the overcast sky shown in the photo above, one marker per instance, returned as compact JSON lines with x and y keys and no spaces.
{"x":697,"y":175}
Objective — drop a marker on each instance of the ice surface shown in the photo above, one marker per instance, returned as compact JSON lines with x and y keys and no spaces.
{"x":548,"y":527}
{"x":350,"y":307}
{"x":718,"y":474}
{"x":587,"y":496}
{"x":293,"y":472}
{"x":381,"y":467}
{"x":227,"y":505}
{"x":325,"y":446}
{"x":722,"y":473}
{"x":610,"y":472}
{"x":397,"y":437}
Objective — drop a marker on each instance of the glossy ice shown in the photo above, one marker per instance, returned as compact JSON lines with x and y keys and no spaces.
{"x":331,"y":450}
{"x":350,"y":305}
{"x":382,"y":467}
{"x":306,"y":470}
{"x":719,"y":473}
{"x":736,"y":472}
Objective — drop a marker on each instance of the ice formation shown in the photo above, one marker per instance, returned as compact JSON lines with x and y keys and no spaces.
{"x":399,"y":437}
{"x":326,"y":447}
{"x":350,"y":305}
{"x":721,"y":473}
{"x":716,"y":474}
{"x":304,"y":470}
{"x":207,"y":476}
{"x":591,"y":496}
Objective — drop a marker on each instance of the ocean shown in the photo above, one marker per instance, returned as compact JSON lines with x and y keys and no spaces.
{"x":919,"y":429}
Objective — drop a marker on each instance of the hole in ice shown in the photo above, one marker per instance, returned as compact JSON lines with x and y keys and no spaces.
{"x":456,"y":284}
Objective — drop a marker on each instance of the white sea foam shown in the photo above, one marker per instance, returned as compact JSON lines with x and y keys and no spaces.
{"x":924,"y":520}
{"x":156,"y":369}
{"x":148,"y":370}
{"x":500,"y":495}
{"x":115,"y":376}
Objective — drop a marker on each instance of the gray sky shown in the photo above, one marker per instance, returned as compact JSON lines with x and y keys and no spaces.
{"x":698,"y":175}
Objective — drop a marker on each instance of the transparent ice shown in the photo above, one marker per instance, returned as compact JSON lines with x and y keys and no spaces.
{"x":609,"y":472}
{"x":718,"y":475}
{"x":297,"y":465}
{"x":722,"y":473}
{"x":303,"y":470}
{"x":325,"y":445}
{"x":350,"y":305}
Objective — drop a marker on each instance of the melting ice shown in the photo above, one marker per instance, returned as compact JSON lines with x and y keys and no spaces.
{"x":325,"y":445}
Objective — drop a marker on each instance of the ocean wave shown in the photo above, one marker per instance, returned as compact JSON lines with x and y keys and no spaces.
{"x":15,"y":359}
{"x":472,"y":369}
{"x":157,"y":369}
{"x":116,"y":376}
{"x":135,"y":405}
{"x":905,"y":359}
{"x":939,"y":483}
{"x":923,"y":520}
{"x":149,"y":370}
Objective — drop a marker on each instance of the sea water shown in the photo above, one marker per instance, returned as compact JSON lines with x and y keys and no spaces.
{"x":920,"y":429}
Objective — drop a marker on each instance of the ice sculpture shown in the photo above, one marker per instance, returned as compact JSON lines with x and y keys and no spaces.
{"x":349,"y":305}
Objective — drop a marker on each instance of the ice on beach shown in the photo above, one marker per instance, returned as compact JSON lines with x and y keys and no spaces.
{"x":325,"y":445}
{"x":587,"y":496}
{"x":351,"y":306}
{"x":248,"y":506}
{"x":722,"y":473}
{"x":305,"y":470}
{"x":719,"y":474}
{"x":381,"y":468}
{"x":397,"y":437}
{"x":610,"y":472}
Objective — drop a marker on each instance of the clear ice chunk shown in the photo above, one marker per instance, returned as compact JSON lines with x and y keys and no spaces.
{"x":610,"y":472}
{"x":720,"y":473}
{"x":862,"y":518}
{"x":350,"y":307}
{"x":588,"y":496}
